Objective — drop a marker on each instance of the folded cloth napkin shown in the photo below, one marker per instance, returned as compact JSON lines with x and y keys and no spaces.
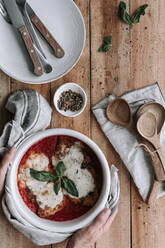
{"x":31,"y":114}
{"x":136,"y":160}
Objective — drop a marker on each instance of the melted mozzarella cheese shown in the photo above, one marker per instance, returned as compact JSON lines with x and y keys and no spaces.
{"x":82,"y":178}
{"x":38,"y":162}
{"x":44,"y":191}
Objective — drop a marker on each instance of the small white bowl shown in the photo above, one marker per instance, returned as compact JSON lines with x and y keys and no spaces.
{"x":76,"y":88}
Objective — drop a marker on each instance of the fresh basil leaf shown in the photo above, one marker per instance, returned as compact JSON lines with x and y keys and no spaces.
{"x":57,"y":186}
{"x":43,"y":176}
{"x":70,"y":187}
{"x":60,"y":168}
{"x":107,"y":43}
{"x":123,"y":14}
{"x":108,"y":40}
{"x":116,"y":79}
{"x":140,"y":11}
{"x":84,"y":165}
{"x":104,"y":48}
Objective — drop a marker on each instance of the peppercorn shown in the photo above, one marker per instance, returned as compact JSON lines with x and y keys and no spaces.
{"x":70,"y":100}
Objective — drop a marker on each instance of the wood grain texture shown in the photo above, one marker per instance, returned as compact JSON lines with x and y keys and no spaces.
{"x":147,"y":66}
{"x":137,"y":59}
{"x":105,"y":67}
{"x":4,"y":91}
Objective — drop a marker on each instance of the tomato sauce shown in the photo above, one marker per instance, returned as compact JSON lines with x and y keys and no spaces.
{"x":71,"y":210}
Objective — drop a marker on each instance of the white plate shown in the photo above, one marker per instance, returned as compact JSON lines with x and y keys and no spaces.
{"x":64,"y":20}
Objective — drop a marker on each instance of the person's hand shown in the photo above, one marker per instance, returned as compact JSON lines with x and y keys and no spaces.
{"x":89,"y":235}
{"x":4,"y":166}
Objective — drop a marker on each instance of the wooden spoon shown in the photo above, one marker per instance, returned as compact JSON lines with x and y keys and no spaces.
{"x":155,"y":108}
{"x":148,"y":127}
{"x":119,"y":113}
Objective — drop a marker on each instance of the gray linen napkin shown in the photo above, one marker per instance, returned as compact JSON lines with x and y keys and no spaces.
{"x":31,"y":114}
{"x":136,"y":160}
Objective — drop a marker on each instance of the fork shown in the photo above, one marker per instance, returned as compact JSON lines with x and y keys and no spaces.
{"x":47,"y":67}
{"x":3,"y":12}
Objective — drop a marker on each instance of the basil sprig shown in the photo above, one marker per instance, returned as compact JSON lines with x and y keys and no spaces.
{"x":107,"y":43}
{"x":45,"y":176}
{"x":135,"y":18}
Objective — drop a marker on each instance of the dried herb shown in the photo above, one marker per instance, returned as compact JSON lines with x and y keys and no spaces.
{"x":86,"y":165}
{"x":70,"y":100}
{"x":43,"y":176}
{"x":135,"y":18}
{"x":107,"y":43}
{"x":82,"y":200}
{"x":91,"y":194}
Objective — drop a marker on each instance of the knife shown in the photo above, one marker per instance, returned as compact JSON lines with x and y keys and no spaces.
{"x":58,"y":51}
{"x":18,"y":22}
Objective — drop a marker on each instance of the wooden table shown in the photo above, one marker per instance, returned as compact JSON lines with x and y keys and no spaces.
{"x":137,"y":58}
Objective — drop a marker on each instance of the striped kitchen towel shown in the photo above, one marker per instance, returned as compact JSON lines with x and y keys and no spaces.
{"x":31,"y":114}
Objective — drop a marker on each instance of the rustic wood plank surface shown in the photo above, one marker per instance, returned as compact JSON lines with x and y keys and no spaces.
{"x":147,"y":66}
{"x":137,"y":58}
{"x":105,"y":67}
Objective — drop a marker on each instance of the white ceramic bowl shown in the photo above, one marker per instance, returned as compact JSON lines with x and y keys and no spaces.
{"x":73,"y":87}
{"x":68,"y":226}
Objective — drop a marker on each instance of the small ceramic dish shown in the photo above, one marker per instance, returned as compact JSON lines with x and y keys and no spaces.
{"x":75,"y":88}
